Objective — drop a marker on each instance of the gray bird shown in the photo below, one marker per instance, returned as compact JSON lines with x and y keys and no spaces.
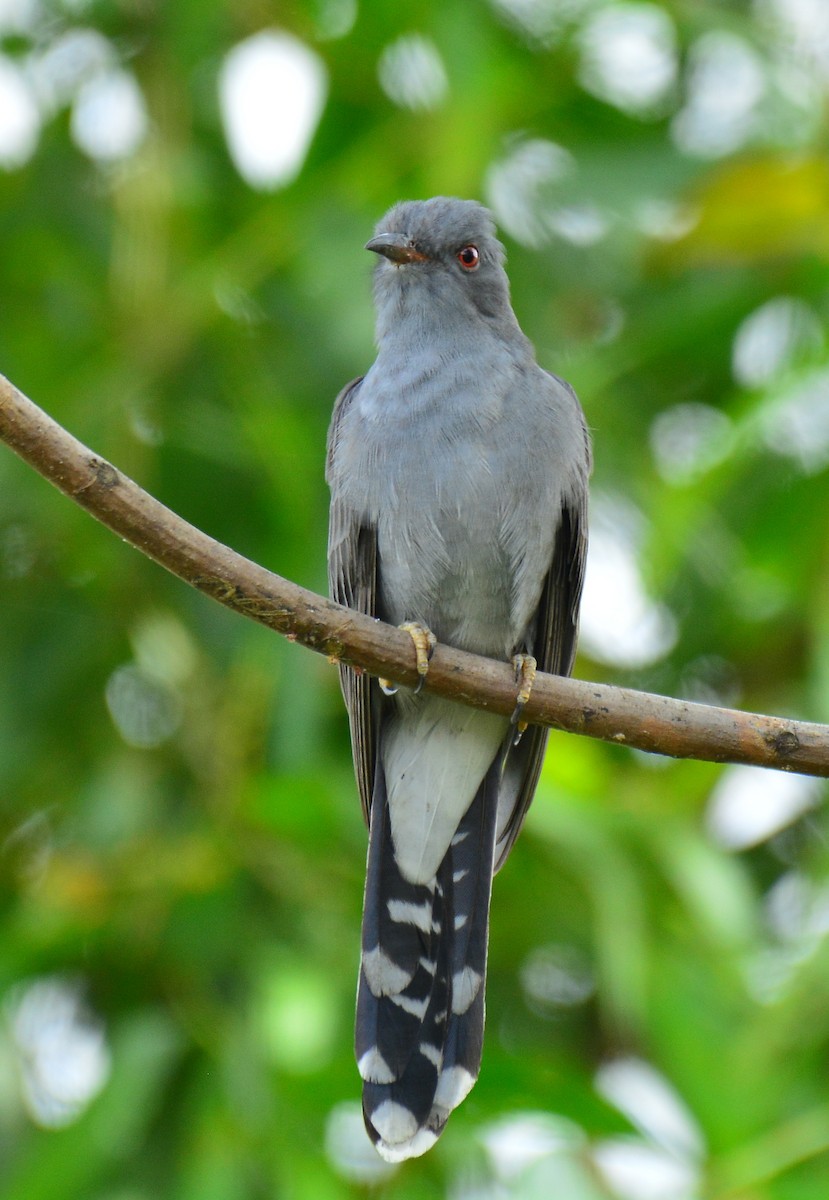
{"x":458,"y":471}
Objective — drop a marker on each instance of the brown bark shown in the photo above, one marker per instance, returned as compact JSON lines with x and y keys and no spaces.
{"x":657,"y":724}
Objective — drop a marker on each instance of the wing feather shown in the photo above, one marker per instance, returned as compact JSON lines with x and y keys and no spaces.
{"x":352,"y":580}
{"x":553,"y":643}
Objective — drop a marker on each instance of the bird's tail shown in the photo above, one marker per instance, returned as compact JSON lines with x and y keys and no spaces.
{"x":420,"y":1001}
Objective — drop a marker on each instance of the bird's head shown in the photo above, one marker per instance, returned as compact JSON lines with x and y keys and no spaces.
{"x":443,"y":253}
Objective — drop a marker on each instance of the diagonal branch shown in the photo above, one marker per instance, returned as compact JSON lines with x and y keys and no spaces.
{"x":654,"y":723}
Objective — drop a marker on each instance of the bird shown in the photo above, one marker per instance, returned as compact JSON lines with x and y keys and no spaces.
{"x":458,"y":470}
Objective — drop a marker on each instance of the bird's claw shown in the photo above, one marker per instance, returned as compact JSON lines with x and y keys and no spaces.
{"x":525,"y":668}
{"x":424,"y":644}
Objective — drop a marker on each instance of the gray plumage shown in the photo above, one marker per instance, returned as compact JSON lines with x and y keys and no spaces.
{"x":458,"y":472}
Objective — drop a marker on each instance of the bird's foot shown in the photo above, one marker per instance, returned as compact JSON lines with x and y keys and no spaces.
{"x":525,"y":668}
{"x":424,"y":644}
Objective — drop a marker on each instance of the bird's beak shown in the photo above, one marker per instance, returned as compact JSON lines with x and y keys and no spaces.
{"x":396,"y":247}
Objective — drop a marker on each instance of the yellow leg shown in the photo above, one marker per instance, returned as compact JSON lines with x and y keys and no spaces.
{"x":525,"y":668}
{"x":424,"y":644}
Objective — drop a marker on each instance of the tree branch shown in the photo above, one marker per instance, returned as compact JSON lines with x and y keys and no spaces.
{"x":656,"y":724}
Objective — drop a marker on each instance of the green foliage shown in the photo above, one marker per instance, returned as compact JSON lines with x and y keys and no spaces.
{"x":181,"y":845}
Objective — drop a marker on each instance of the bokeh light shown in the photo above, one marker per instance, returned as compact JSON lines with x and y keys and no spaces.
{"x":272,"y":90}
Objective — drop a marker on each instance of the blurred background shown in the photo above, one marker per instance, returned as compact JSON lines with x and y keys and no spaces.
{"x":185,"y":191}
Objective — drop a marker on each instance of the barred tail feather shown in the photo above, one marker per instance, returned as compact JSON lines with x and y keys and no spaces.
{"x":420,"y":1000}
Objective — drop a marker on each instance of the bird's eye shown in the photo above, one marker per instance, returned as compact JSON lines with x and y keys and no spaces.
{"x":469,"y":257}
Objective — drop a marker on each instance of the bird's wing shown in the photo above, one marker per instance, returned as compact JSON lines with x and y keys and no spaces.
{"x":554,"y":637}
{"x":352,"y":580}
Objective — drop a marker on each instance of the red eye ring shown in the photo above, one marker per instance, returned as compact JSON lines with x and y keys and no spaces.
{"x":469,"y":257}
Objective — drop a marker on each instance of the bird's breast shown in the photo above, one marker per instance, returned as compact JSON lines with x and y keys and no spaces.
{"x":444,"y":558}
{"x":438,"y":468}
